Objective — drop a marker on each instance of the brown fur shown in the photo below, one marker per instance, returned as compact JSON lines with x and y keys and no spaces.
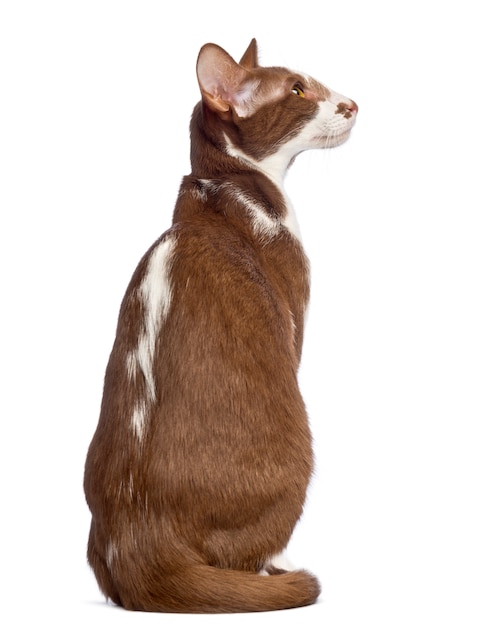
{"x":187,"y":512}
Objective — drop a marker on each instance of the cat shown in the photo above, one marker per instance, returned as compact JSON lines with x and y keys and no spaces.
{"x":198,"y":470}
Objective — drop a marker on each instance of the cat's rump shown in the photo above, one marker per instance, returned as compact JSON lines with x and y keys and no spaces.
{"x":144,"y":580}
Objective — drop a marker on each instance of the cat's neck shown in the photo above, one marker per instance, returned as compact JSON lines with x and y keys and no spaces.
{"x":214,"y":155}
{"x":215,"y":158}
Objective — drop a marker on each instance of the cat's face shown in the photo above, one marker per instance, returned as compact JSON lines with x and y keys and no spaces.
{"x":300,"y":102}
{"x":335,"y":116}
{"x":290,"y":113}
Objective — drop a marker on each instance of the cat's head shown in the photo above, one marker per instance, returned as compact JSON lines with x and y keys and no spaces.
{"x":270,"y":114}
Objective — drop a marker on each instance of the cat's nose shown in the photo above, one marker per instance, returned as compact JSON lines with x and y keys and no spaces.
{"x":353,"y":107}
{"x":347,"y":109}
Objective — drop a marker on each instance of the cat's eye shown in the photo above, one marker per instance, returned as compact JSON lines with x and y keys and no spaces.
{"x":298,"y":90}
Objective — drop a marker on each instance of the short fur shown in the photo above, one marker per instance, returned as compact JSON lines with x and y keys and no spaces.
{"x":198,"y":470}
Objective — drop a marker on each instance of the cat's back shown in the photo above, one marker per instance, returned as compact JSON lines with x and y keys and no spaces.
{"x":206,"y":355}
{"x":216,"y":292}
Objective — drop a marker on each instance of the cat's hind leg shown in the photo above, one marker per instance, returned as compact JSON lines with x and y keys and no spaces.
{"x":100,"y":567}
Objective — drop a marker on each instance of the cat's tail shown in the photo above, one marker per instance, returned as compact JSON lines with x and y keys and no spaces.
{"x":205,"y":589}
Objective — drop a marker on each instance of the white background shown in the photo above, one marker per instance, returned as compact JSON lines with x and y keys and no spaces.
{"x":95,"y":99}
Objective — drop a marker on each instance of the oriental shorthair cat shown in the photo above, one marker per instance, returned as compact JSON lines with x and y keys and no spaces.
{"x":198,"y":470}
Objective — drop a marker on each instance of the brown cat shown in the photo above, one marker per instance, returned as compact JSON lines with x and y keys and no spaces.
{"x":198,"y":470}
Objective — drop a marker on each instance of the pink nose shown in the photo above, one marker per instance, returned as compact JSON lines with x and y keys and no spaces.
{"x":353,"y":107}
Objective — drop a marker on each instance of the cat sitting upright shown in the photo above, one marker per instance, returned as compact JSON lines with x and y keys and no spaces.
{"x":198,"y":469}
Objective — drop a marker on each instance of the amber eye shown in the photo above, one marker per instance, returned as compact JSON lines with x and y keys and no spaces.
{"x":298,"y":90}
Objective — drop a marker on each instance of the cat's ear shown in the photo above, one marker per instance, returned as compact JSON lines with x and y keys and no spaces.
{"x":224,"y":83}
{"x":250,"y":59}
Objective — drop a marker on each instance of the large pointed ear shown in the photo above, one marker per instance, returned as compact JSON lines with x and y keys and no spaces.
{"x":250,"y":58}
{"x":224,"y":84}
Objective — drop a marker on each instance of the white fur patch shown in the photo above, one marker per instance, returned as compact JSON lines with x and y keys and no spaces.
{"x":274,"y":167}
{"x":291,"y":221}
{"x":112,"y":554}
{"x":293,"y":324}
{"x":280,"y":561}
{"x":264,"y":225}
{"x":155,"y":293}
{"x":262,"y":222}
{"x":139,"y":419}
{"x":131,"y":364}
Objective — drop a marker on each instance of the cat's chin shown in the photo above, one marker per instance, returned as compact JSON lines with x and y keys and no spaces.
{"x":337,"y":140}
